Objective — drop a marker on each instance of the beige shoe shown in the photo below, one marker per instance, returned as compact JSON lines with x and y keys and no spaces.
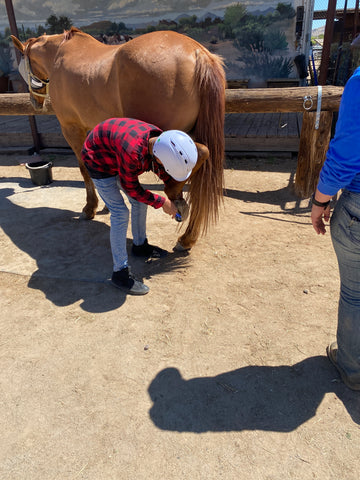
{"x":331,"y":351}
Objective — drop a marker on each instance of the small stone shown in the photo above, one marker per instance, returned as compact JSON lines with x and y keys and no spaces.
{"x":146,"y":347}
{"x":306,"y":290}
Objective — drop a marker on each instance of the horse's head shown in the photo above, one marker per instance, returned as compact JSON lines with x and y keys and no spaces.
{"x":33,"y":68}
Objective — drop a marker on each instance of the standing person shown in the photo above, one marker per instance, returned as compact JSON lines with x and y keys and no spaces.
{"x":341,"y":171}
{"x":119,"y":150}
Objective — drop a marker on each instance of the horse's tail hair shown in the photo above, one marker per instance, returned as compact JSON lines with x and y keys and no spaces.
{"x":206,"y":186}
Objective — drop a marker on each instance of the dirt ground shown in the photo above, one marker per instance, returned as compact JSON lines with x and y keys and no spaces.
{"x":219,"y":372}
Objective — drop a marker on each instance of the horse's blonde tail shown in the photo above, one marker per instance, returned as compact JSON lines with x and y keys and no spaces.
{"x":206,"y":186}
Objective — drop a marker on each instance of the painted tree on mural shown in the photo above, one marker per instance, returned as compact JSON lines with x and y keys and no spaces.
{"x":261,"y":39}
{"x":55,"y":24}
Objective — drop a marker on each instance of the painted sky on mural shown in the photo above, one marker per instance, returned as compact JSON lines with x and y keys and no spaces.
{"x":131,"y":12}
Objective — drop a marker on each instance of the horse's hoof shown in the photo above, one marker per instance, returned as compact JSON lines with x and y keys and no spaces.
{"x":183,"y":208}
{"x":86,"y":216}
{"x":179,"y":248}
{"x":104,"y":211}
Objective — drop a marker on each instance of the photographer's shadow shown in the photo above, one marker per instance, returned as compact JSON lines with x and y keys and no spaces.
{"x":279,"y":398}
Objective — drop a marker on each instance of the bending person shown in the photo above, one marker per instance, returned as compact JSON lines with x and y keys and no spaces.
{"x":115,"y":153}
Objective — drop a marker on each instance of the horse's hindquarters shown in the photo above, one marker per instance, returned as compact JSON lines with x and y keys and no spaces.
{"x":157,"y":81}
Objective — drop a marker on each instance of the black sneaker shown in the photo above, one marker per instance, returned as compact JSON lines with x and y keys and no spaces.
{"x":123,"y":280}
{"x":146,"y":250}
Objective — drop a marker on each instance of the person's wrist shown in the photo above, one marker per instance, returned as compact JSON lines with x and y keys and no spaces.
{"x":324,"y":205}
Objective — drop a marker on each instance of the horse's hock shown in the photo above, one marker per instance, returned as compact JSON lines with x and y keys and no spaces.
{"x":316,"y":104}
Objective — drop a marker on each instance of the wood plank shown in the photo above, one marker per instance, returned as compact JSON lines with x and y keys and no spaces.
{"x":48,"y":140}
{"x":282,"y":82}
{"x":274,"y":144}
{"x":262,"y":124}
{"x":261,"y":100}
{"x":240,"y":100}
{"x":273,"y":122}
{"x":268,"y":124}
{"x":237,"y":124}
{"x":299,"y":122}
{"x":283,"y":129}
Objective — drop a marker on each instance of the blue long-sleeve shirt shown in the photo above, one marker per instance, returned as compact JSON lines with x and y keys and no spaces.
{"x":342,"y":165}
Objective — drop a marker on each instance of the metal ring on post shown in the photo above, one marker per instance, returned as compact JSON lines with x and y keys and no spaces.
{"x":307,"y":99}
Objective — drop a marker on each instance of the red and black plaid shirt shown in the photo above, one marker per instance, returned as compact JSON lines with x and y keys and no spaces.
{"x":120,"y":146}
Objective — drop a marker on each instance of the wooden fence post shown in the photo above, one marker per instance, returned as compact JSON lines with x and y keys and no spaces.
{"x":312,"y":152}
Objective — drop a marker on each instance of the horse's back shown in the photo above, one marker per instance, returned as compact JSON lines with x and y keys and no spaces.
{"x":157,"y":79}
{"x":163,"y":51}
{"x":169,"y":43}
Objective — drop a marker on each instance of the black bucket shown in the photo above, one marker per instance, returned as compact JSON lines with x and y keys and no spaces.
{"x":40,"y":172}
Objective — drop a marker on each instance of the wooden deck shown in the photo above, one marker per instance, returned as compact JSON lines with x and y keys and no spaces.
{"x":244,"y":132}
{"x":15,"y":132}
{"x":262,"y":132}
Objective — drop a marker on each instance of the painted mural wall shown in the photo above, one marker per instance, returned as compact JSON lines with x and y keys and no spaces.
{"x":258,"y":39}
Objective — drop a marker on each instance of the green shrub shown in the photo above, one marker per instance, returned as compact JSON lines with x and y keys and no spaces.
{"x":260,"y":63}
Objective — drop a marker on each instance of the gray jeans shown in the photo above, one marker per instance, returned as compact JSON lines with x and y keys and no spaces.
{"x":109,"y":191}
{"x":345,"y":235}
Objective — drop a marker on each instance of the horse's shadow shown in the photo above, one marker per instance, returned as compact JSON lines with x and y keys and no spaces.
{"x":73,"y":256}
{"x":279,"y":398}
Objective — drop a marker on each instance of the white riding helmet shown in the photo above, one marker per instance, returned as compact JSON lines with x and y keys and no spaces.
{"x":177,"y":152}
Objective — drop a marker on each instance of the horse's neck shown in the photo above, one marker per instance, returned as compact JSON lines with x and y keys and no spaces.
{"x":57,"y":49}
{"x":50,"y":51}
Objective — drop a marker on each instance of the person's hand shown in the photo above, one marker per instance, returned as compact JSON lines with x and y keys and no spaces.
{"x":169,"y":208}
{"x":318,"y":216}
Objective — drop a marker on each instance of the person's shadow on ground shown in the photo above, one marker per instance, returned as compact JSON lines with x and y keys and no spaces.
{"x":279,"y":398}
{"x":73,"y":256}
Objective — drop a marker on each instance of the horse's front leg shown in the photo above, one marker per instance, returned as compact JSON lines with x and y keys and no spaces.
{"x":89,"y":210}
{"x":173,"y":190}
{"x":75,"y":135}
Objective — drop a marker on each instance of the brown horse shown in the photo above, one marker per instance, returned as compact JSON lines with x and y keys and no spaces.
{"x":163,"y":78}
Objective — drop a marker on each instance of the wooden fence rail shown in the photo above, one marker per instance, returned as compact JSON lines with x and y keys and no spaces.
{"x":257,"y":100}
{"x":313,"y":141}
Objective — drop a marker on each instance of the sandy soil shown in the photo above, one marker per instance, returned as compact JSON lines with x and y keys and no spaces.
{"x":219,"y":372}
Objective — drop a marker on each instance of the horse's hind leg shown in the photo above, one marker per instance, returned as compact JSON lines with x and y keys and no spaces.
{"x":188,"y":239}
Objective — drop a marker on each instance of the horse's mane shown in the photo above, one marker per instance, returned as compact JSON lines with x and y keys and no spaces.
{"x":68,"y":34}
{"x":28,"y":44}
